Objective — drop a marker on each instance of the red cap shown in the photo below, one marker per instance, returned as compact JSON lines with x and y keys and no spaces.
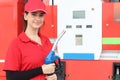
{"x":35,"y":5}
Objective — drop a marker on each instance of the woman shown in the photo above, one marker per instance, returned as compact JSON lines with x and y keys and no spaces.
{"x":26,"y":54}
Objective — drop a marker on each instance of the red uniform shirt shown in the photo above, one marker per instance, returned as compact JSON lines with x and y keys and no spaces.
{"x":25,"y":54}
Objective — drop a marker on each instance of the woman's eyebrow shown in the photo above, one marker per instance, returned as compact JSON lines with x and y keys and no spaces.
{"x":34,"y":12}
{"x":38,"y":12}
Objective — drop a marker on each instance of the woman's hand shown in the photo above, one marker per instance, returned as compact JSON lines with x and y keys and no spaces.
{"x":52,"y":77}
{"x":48,"y":68}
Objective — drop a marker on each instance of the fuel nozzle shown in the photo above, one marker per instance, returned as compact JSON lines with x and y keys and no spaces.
{"x":51,"y":56}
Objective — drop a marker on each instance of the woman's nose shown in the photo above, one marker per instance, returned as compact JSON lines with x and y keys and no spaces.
{"x":38,"y":17}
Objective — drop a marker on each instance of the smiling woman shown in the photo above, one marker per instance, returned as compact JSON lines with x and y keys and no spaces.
{"x":26,"y":54}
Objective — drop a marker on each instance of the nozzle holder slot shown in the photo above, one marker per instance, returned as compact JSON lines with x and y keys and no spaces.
{"x":61,"y":73}
{"x":116,"y":65}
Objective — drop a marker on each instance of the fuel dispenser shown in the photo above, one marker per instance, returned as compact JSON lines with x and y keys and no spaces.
{"x":83,"y":23}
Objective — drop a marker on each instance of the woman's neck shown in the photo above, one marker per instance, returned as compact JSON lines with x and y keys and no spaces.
{"x":33,"y":35}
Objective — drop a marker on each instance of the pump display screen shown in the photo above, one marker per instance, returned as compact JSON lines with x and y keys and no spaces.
{"x":79,"y":14}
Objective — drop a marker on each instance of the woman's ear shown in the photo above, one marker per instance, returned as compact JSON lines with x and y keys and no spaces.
{"x":25,"y":16}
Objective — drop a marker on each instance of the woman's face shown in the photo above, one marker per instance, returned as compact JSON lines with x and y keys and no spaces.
{"x":34,"y":19}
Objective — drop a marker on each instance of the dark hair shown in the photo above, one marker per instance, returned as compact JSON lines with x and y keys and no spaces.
{"x":25,"y":22}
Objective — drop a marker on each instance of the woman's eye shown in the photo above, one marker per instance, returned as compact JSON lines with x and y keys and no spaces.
{"x":41,"y":15}
{"x":33,"y":14}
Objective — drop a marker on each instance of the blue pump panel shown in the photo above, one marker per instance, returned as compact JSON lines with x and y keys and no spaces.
{"x":78,"y":56}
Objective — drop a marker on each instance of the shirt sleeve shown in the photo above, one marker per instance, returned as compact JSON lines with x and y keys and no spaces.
{"x":13,"y":57}
{"x":23,"y":75}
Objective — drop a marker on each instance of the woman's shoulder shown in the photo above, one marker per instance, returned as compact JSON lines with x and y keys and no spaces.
{"x":16,"y":40}
{"x":13,"y":43}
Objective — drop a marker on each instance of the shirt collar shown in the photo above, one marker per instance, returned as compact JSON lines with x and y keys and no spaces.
{"x":23,"y":37}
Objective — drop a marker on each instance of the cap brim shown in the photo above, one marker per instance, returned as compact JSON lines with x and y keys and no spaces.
{"x":37,"y":10}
